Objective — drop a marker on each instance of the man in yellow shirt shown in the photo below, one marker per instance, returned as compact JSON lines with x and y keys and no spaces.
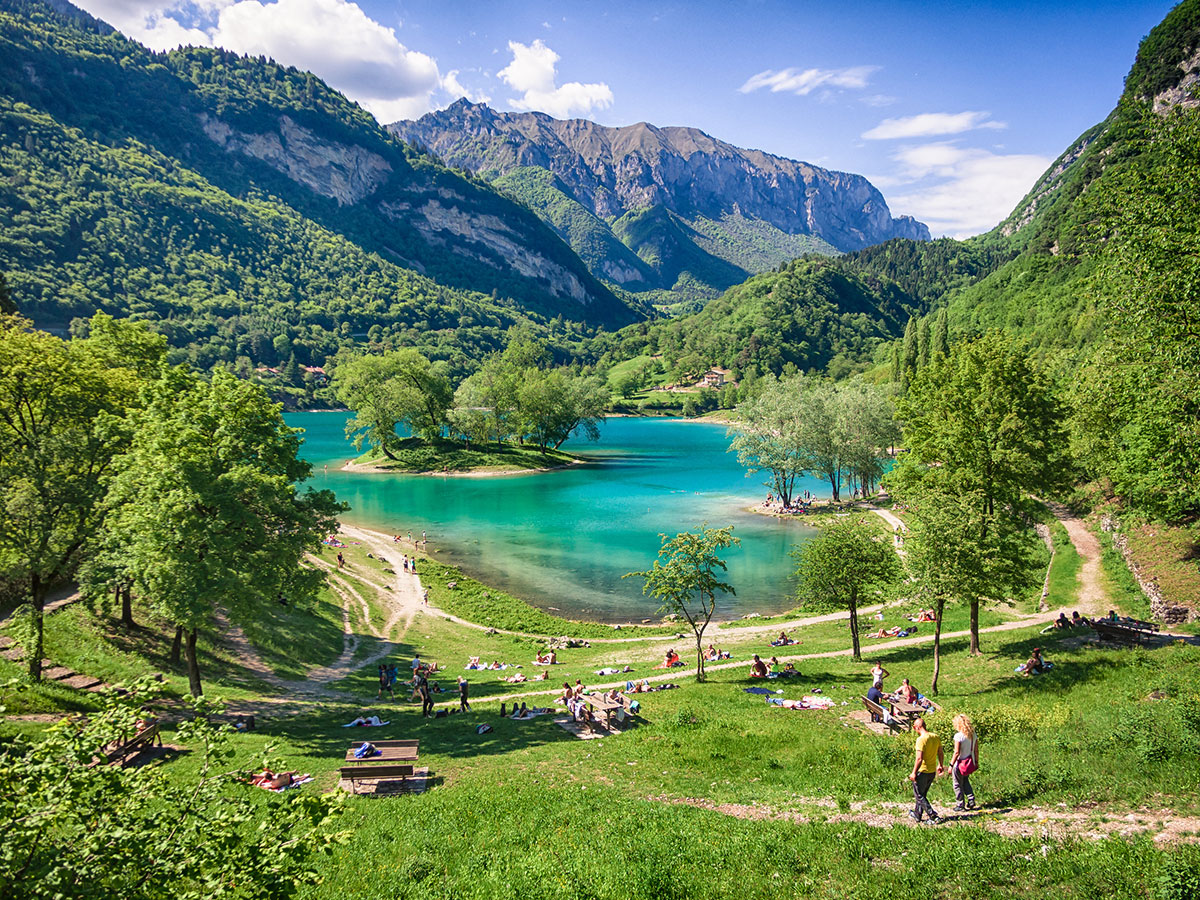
{"x":929,"y":763}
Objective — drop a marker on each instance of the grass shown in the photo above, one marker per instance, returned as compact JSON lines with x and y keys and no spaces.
{"x":1064,"y":569}
{"x":529,"y":811}
{"x":418,"y":455}
{"x":1127,"y":595}
{"x":295,"y":638}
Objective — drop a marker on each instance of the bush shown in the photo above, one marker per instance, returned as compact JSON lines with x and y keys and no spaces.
{"x":1021,"y":719}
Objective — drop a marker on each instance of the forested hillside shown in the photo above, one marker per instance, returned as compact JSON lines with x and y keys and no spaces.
{"x":233,"y":201}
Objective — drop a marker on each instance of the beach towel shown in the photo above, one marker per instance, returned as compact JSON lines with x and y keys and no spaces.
{"x":295,"y":784}
{"x":367,"y":749}
{"x":758,"y":690}
{"x":373,"y":722}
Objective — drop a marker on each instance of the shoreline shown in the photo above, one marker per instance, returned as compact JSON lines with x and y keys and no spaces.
{"x":373,"y":469}
{"x":617,"y":627}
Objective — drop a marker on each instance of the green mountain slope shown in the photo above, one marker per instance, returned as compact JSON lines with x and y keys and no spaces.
{"x":130,"y":179}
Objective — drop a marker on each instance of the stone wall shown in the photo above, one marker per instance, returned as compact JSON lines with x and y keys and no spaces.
{"x":1163,"y":610}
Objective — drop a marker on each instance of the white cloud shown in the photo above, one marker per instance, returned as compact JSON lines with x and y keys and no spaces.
{"x":333,"y":38}
{"x":931,"y":124}
{"x":961,"y":191}
{"x":805,"y":82}
{"x":533,"y":73}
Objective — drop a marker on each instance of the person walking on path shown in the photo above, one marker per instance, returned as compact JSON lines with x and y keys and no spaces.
{"x":463,"y":687}
{"x":964,"y":762}
{"x":929,"y":763}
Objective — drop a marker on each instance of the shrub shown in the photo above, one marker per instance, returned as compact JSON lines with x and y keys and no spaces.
{"x":1179,"y":876}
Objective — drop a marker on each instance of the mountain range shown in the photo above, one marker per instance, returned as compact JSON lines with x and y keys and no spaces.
{"x":669,"y":209}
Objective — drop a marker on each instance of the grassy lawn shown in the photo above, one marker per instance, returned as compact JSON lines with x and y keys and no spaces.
{"x":527,"y":810}
{"x":417,"y":455}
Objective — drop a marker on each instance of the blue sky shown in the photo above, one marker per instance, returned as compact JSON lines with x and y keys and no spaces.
{"x":952,"y":109}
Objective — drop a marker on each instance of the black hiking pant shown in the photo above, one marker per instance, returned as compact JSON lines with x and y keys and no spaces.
{"x":921,"y":786}
{"x":426,"y":703}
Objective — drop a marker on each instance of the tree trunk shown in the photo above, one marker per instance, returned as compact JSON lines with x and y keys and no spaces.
{"x":975,"y":651}
{"x":937,"y":647}
{"x":126,"y":592}
{"x":700,"y":676}
{"x":388,"y":453}
{"x":193,"y":665}
{"x":854,"y":627}
{"x":37,"y":597}
{"x":177,"y":645}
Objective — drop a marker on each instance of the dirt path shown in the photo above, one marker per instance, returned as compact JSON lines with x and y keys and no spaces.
{"x":1048,"y":823}
{"x":1092,"y":598}
{"x":898,"y":526}
{"x":1027,"y":621}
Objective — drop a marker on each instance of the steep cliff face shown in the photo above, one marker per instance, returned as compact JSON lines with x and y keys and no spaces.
{"x":251,"y":129}
{"x":756,"y":209}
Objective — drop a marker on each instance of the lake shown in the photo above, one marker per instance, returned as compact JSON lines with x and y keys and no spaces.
{"x":563,"y":539}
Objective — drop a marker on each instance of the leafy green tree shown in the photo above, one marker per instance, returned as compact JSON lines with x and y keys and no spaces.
{"x":60,"y":429}
{"x":208,"y":512}
{"x":553,"y":404}
{"x":941,"y":335}
{"x":396,"y":387}
{"x":924,"y":343}
{"x":684,"y":579}
{"x":956,"y":554}
{"x":8,"y":305}
{"x":842,"y":565}
{"x":75,"y":829}
{"x":911,"y":351}
{"x":983,"y":422}
{"x":769,"y":436}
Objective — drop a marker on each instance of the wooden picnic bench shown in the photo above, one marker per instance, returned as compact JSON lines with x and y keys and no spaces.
{"x":147,"y":737}
{"x":386,"y":754}
{"x":355,"y":774}
{"x":599,"y":703}
{"x":906,"y":712}
{"x":1116,"y":633}
{"x":882,"y":715}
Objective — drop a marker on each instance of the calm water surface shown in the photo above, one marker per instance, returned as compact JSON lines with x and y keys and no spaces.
{"x":563,"y":539}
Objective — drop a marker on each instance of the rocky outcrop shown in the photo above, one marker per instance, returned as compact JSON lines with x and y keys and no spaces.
{"x":613,"y":171}
{"x":342,"y":172}
{"x":1186,"y":93}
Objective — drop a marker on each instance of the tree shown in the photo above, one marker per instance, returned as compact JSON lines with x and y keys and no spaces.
{"x":8,"y":306}
{"x":953,"y":556}
{"x":941,"y":335}
{"x":842,"y":565}
{"x":769,"y":437}
{"x":60,"y":429}
{"x":983,"y":422}
{"x":553,"y":404}
{"x":397,"y":387}
{"x":924,"y":343}
{"x":911,"y":352}
{"x":208,"y":511}
{"x":684,"y":581}
{"x":75,"y":829}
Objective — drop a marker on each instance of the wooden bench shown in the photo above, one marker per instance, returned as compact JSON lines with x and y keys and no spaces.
{"x":386,"y":754}
{"x":599,"y":704}
{"x":148,"y":736}
{"x":355,"y":774}
{"x":880,"y":714}
{"x":1112,"y":633}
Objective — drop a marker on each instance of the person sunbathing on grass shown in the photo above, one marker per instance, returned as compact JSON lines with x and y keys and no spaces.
{"x":519,"y":678}
{"x":275,"y":780}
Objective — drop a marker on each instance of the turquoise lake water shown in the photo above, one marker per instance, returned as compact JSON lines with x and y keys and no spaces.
{"x":563,"y":539}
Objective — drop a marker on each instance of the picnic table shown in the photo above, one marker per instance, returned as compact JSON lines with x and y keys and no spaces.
{"x":386,"y":754}
{"x":395,"y":761}
{"x":599,"y":703}
{"x":905,"y":712}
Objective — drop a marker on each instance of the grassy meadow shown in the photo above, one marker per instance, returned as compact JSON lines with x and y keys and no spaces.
{"x":714,"y":793}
